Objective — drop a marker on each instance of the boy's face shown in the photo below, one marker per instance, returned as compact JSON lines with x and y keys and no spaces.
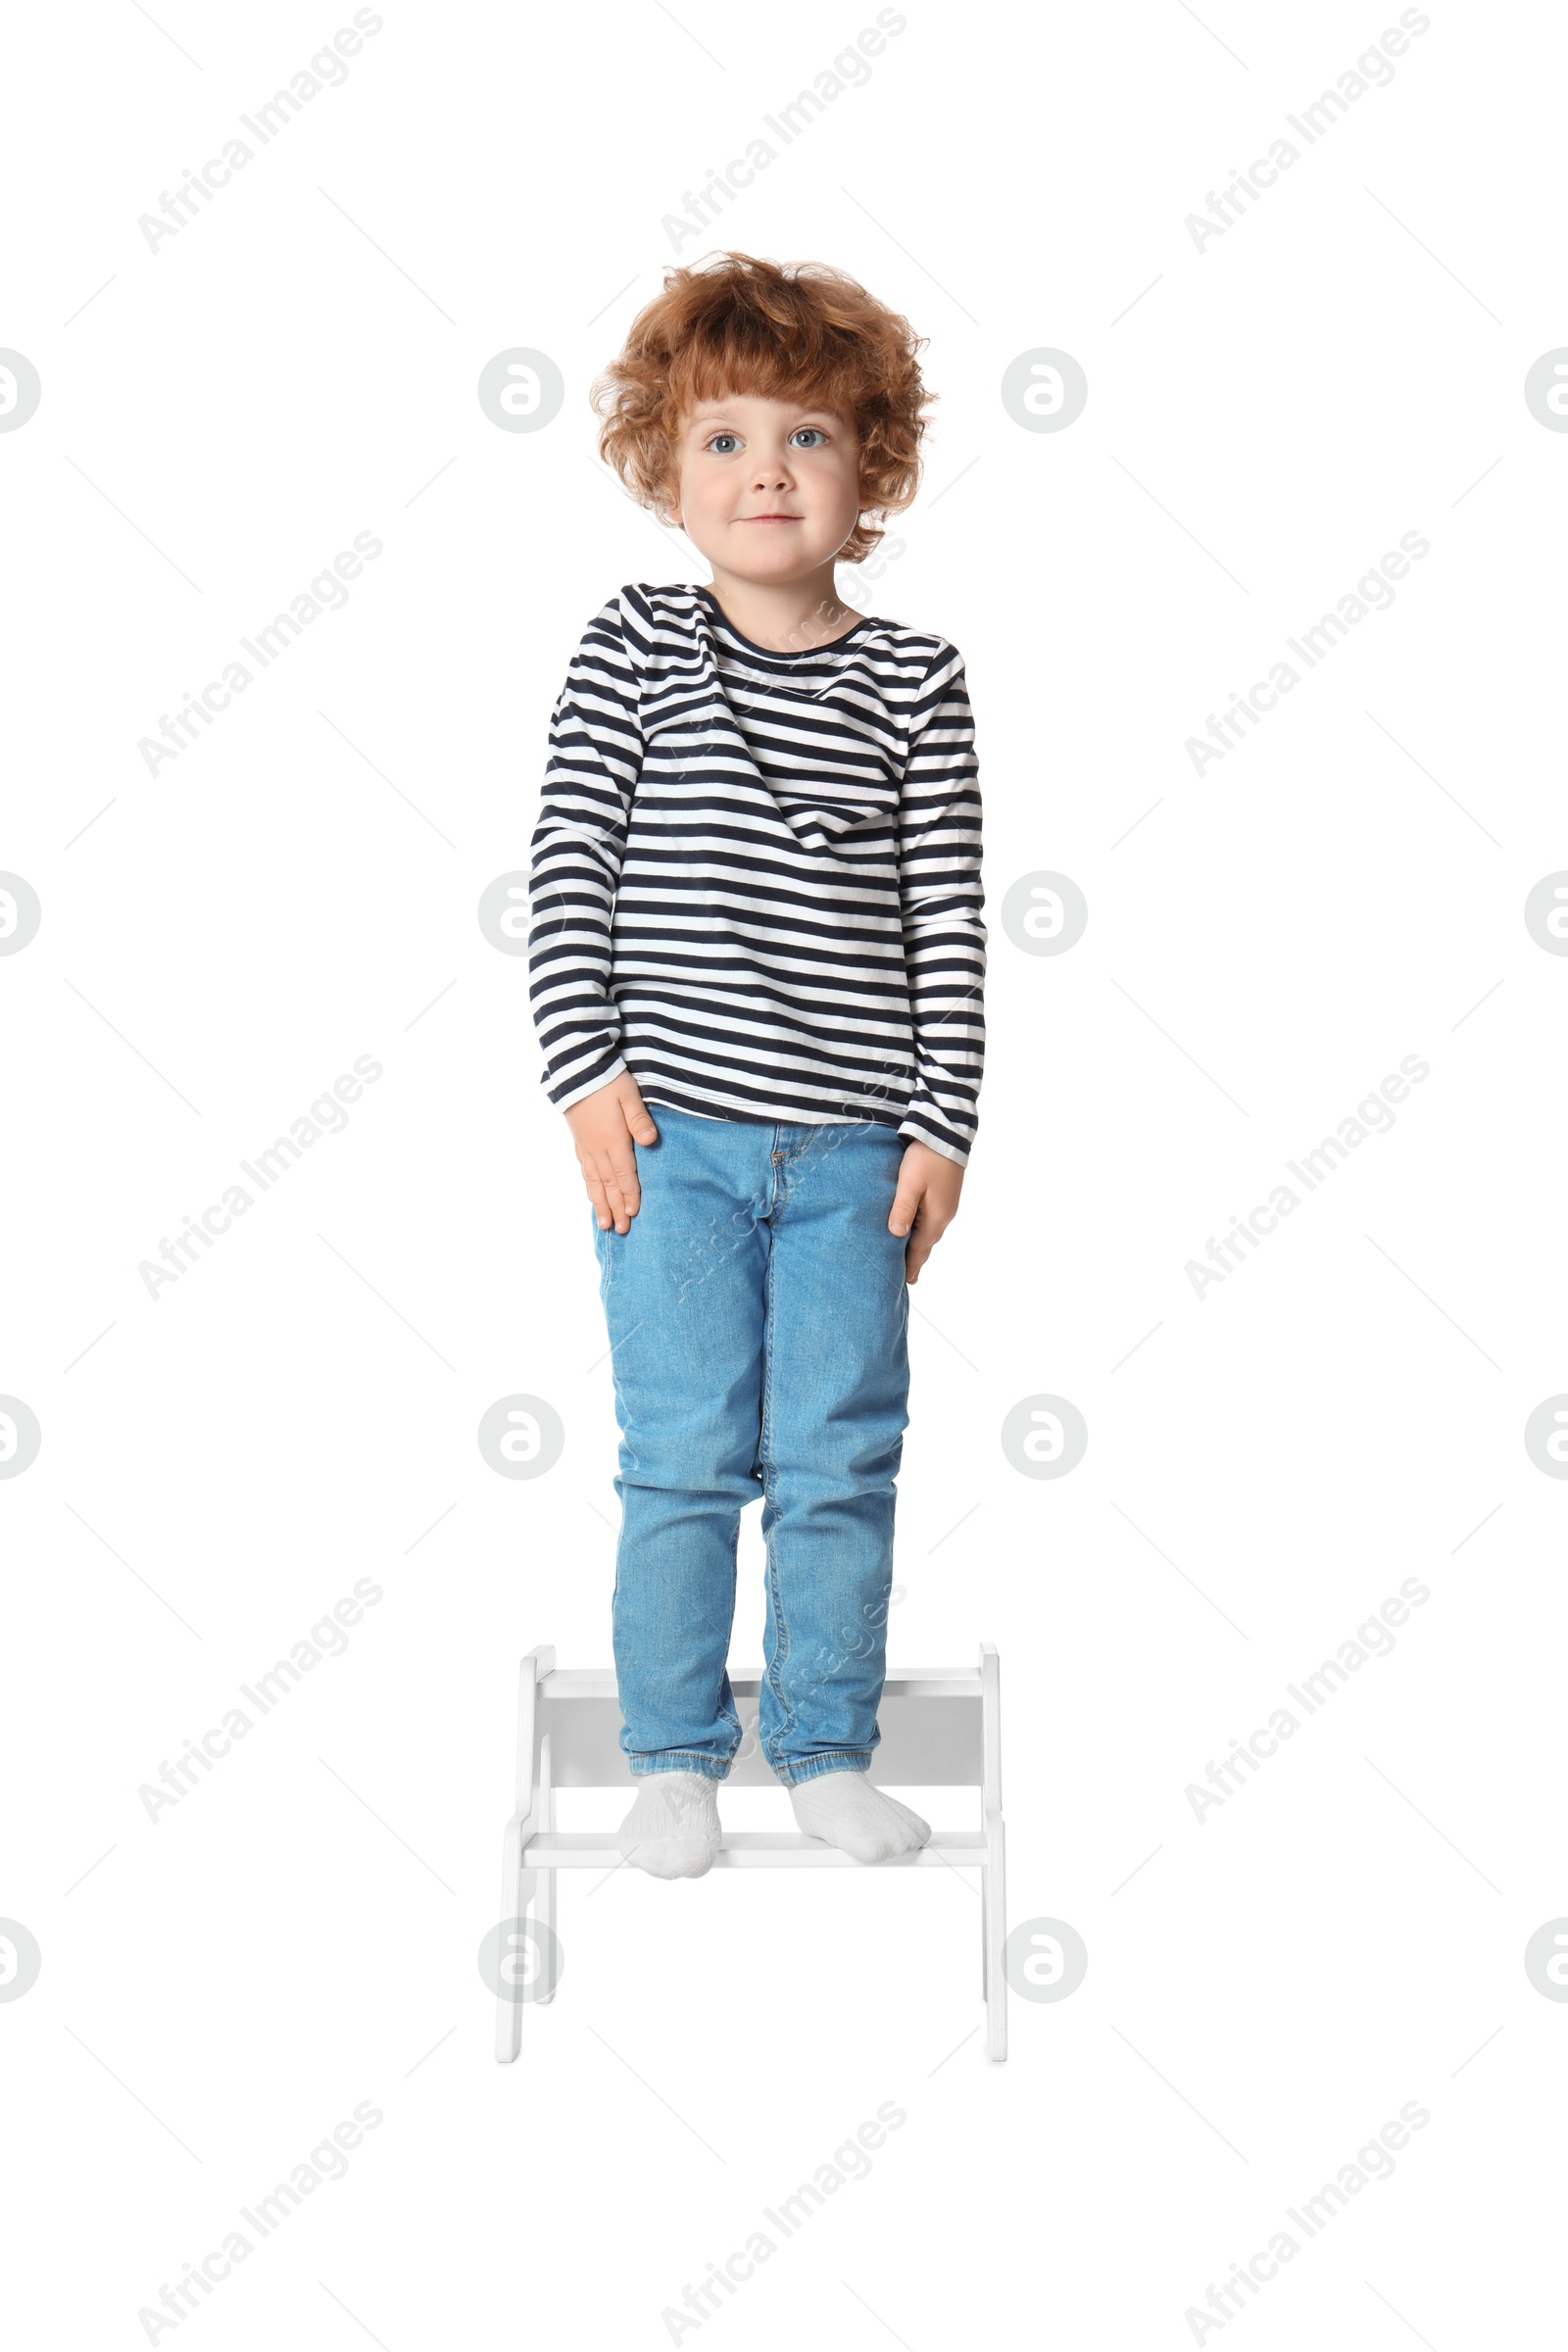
{"x":767,"y":489}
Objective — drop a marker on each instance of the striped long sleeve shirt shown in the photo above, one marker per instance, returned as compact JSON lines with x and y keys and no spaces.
{"x":756,"y":875}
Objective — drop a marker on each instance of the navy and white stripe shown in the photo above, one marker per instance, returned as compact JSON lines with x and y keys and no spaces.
{"x":756,"y":876}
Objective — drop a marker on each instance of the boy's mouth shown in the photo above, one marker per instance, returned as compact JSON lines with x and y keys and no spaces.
{"x":769,"y":519}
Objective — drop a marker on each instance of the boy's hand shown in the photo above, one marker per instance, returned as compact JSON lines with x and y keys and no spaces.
{"x":605,"y":1125}
{"x":927,"y":1198}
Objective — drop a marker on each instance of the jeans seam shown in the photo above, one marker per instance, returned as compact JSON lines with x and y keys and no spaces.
{"x":781,"y":1640}
{"x":605,"y":1258}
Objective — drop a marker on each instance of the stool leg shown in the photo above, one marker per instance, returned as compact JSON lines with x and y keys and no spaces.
{"x":518,"y":1885}
{"x":545,"y":1898}
{"x":994,"y":1913}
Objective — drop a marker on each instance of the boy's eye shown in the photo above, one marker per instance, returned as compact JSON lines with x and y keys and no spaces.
{"x":807,"y":436}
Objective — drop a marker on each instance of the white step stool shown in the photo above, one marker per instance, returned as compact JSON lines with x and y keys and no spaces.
{"x":940,"y":1728}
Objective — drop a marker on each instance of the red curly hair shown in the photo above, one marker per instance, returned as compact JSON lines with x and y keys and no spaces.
{"x":734,"y":326}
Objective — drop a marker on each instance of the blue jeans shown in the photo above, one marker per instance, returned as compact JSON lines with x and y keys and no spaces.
{"x":757,"y":1317}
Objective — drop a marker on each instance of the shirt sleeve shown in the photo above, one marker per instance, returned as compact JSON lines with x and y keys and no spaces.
{"x":944,"y":937}
{"x":578,"y":845}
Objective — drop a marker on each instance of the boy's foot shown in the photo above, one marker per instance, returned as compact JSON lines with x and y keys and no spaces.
{"x":673,"y":1830}
{"x":844,"y":1810}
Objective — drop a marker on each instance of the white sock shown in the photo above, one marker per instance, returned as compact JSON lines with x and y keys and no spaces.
{"x":673,"y":1830}
{"x":845,"y":1810}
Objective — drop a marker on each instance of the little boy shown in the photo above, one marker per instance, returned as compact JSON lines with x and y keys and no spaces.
{"x":756,"y":905}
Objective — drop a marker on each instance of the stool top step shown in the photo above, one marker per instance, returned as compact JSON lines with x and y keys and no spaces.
{"x":929,"y":1735}
{"x":936,"y":1727}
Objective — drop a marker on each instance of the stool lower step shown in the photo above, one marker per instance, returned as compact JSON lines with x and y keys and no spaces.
{"x":742,"y":1850}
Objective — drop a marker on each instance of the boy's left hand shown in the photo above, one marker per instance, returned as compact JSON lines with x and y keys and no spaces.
{"x":927,"y":1199}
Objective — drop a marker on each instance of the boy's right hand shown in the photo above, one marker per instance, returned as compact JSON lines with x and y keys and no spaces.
{"x":605,"y":1125}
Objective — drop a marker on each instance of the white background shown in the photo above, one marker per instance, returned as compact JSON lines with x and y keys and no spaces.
{"x":1265,"y":1464}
